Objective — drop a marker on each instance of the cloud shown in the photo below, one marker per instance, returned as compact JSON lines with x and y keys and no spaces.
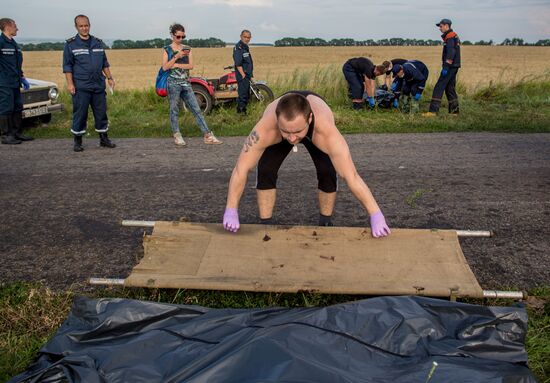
{"x":237,"y":3}
{"x":539,"y":20}
{"x":265,"y":26}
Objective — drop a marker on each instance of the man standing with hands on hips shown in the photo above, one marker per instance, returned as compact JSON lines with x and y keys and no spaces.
{"x":244,"y":68}
{"x":11,"y":81}
{"x":85,"y":66}
{"x":447,"y":79}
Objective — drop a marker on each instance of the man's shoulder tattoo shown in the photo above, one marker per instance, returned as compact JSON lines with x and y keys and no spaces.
{"x":252,"y":138}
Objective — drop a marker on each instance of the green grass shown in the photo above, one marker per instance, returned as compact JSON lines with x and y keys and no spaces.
{"x":30,"y":314}
{"x":521,"y":107}
{"x":418,"y":193}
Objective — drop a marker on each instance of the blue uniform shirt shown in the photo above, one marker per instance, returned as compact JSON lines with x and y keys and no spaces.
{"x":242,"y":57}
{"x":415,"y":71}
{"x":451,"y":50}
{"x":11,"y":61}
{"x":85,"y":59}
{"x":415,"y":75}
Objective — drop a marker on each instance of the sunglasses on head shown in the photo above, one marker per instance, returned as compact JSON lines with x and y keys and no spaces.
{"x":179,"y":37}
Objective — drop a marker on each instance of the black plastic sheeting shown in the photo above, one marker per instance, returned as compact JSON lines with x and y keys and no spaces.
{"x":387,"y":339}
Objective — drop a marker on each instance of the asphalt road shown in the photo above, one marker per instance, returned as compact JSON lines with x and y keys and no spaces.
{"x":60,"y":211}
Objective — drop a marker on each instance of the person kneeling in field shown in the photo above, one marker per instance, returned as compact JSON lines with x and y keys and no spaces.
{"x":389,"y":79}
{"x":410,"y":80}
{"x":298,"y":117}
{"x":360,"y":73}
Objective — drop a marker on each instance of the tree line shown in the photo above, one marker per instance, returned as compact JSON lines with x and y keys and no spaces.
{"x":397,"y":41}
{"x":210,"y":42}
{"x":213,"y":42}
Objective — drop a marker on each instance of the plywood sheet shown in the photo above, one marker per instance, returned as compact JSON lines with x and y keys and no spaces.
{"x":289,"y":259}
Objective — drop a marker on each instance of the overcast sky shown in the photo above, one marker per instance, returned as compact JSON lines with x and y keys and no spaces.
{"x":270,"y":20}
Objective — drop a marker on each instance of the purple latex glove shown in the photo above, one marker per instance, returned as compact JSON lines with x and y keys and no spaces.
{"x":231,"y":220}
{"x":378,"y":225}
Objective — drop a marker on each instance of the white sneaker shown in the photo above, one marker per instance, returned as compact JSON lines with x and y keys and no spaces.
{"x":178,"y":139}
{"x":210,"y":139}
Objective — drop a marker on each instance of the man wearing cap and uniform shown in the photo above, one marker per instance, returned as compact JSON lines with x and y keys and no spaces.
{"x":244,"y":68}
{"x":11,"y":81}
{"x":85,"y":66}
{"x":390,"y":79}
{"x":447,"y":79}
{"x":411,"y":79}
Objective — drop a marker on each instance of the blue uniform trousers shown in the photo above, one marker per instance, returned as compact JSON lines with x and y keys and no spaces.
{"x":10,"y":101}
{"x":445,"y":84}
{"x":243,"y":91}
{"x":82,"y":99}
{"x":356,"y":81}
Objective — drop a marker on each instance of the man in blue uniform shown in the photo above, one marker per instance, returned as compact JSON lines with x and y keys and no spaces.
{"x":412,"y":77}
{"x":85,"y":66}
{"x":244,"y":68}
{"x":389,"y":80}
{"x":447,"y":79}
{"x":11,"y":80}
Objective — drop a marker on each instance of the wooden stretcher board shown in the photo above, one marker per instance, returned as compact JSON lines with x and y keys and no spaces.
{"x":336,"y":260}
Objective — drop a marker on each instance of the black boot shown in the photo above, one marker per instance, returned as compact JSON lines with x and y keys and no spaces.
{"x":17,"y":122}
{"x":325,"y":220}
{"x":7,"y":129}
{"x":105,"y":142}
{"x":77,"y":147}
{"x":3,"y":125}
{"x":358,"y":105}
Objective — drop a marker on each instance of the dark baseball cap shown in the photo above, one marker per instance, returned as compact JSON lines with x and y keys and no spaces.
{"x":444,"y":21}
{"x":396,"y":69}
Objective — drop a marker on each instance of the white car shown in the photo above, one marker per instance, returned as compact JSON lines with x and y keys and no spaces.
{"x":40,"y":100}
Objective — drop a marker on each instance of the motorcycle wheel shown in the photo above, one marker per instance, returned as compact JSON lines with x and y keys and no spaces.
{"x":266,"y":94}
{"x":203,"y":98}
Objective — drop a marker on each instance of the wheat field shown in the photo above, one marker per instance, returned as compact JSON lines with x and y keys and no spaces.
{"x":137,"y":68}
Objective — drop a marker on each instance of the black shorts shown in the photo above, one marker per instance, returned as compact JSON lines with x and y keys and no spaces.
{"x":273,"y":157}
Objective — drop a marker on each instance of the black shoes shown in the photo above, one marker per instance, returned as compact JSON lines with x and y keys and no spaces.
{"x":22,"y":137}
{"x":10,"y":140}
{"x":77,"y":147}
{"x":8,"y":130}
{"x":105,"y":142}
{"x":358,"y":105}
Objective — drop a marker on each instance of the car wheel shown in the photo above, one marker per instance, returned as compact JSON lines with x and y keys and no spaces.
{"x":203,"y":98}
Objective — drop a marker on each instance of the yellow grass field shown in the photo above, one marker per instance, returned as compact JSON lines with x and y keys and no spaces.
{"x":137,"y":68}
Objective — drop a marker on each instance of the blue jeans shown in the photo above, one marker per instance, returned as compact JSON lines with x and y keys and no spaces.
{"x":185,"y":92}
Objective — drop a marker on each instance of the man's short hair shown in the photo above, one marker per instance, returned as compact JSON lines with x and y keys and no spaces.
{"x":5,"y":22}
{"x":79,"y":16}
{"x":246,"y":31}
{"x":292,"y":105}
